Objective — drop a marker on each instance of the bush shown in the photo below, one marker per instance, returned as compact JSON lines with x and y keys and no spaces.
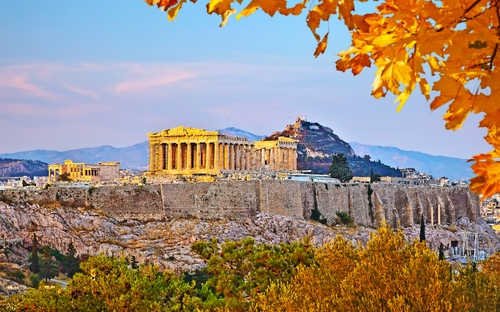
{"x":344,"y":217}
{"x":16,"y":276}
{"x":34,"y":280}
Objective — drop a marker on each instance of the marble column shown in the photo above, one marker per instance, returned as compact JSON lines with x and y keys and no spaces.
{"x":287,"y":158}
{"x":162,"y":156}
{"x":188,"y":155}
{"x":209,"y":156}
{"x":279,"y":164}
{"x":232,"y":156}
{"x":198,"y":155}
{"x":237,"y":156}
{"x":216,"y":156}
{"x":169,"y":156}
{"x":178,"y":158}
{"x":226,"y":156}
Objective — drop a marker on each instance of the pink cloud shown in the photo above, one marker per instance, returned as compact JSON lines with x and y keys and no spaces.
{"x":21,"y":82}
{"x":81,"y":91}
{"x":139,"y":85}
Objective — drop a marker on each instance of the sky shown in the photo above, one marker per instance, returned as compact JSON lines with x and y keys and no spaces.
{"x":77,"y":74}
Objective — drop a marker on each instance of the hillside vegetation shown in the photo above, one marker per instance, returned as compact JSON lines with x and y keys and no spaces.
{"x":389,"y":274}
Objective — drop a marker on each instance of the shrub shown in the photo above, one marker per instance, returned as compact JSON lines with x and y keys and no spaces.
{"x":34,"y":280}
{"x":344,"y":217}
{"x":16,"y":276}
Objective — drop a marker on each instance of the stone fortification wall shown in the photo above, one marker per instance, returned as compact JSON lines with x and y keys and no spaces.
{"x":128,"y":202}
{"x":222,"y":200}
{"x":244,"y":199}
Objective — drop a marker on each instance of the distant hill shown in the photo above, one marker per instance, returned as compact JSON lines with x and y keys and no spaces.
{"x":450,"y":167}
{"x":318,"y":143}
{"x":241,"y":133}
{"x":134,"y":157}
{"x":21,"y":167}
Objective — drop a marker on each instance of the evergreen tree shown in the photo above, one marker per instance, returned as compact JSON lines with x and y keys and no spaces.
{"x":422,"y":229}
{"x":441,"y":252}
{"x":71,"y":263}
{"x":133,"y":263}
{"x":339,"y":168}
{"x":48,"y":267}
{"x":374,"y":177}
{"x":34,"y":266}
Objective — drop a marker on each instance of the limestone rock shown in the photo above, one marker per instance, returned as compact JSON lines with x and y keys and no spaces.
{"x":166,"y":243}
{"x":8,"y":287}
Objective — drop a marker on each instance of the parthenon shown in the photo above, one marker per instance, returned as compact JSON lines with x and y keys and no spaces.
{"x":188,"y":151}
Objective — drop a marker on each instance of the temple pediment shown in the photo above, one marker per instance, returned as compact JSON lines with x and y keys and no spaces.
{"x":183,"y":131}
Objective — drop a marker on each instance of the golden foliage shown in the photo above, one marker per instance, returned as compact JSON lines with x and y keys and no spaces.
{"x":388,"y":275}
{"x":448,"y":46}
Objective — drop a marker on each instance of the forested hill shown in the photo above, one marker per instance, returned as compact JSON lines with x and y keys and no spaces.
{"x":22,"y":167}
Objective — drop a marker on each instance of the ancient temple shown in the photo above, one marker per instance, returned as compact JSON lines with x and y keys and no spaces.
{"x":76,"y":171}
{"x":188,"y":151}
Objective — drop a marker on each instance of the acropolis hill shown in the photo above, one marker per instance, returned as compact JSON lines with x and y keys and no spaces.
{"x":157,"y":221}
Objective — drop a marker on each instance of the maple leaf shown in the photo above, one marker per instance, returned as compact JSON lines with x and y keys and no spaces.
{"x":321,"y":46}
{"x":162,"y":4}
{"x":487,"y":170}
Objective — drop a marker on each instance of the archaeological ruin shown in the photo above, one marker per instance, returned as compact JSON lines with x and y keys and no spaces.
{"x":189,"y":151}
{"x":77,"y":171}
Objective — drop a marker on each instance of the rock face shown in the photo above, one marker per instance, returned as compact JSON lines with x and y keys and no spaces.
{"x":8,"y":287}
{"x":237,"y":200}
{"x":17,"y":168}
{"x":166,"y":243}
{"x":316,"y":145}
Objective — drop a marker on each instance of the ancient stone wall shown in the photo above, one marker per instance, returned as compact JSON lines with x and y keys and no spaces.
{"x":395,"y":205}
{"x":128,"y":202}
{"x":223,"y":200}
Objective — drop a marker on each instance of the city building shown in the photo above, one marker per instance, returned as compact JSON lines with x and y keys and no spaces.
{"x":100,"y":172}
{"x":192,"y":151}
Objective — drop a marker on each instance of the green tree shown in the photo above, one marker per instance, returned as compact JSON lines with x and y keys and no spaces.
{"x":422,"y":229}
{"x":34,"y":280}
{"x":344,"y":217}
{"x":108,"y":284}
{"x":339,"y":168}
{"x":34,"y":266}
{"x":239,"y":270}
{"x":71,"y":263}
{"x":441,"y":252}
{"x":48,"y":267}
{"x":374,"y":177}
{"x":134,"y":265}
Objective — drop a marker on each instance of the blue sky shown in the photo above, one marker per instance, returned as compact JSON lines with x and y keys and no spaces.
{"x":89,"y":73}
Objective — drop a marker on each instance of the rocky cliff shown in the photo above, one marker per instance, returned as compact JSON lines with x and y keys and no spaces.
{"x":18,"y":168}
{"x":166,"y":243}
{"x":317,"y":143}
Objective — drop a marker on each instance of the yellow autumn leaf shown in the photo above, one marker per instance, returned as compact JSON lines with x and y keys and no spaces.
{"x":487,"y":170}
{"x":425,"y":88}
{"x":172,"y":12}
{"x":321,"y":46}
